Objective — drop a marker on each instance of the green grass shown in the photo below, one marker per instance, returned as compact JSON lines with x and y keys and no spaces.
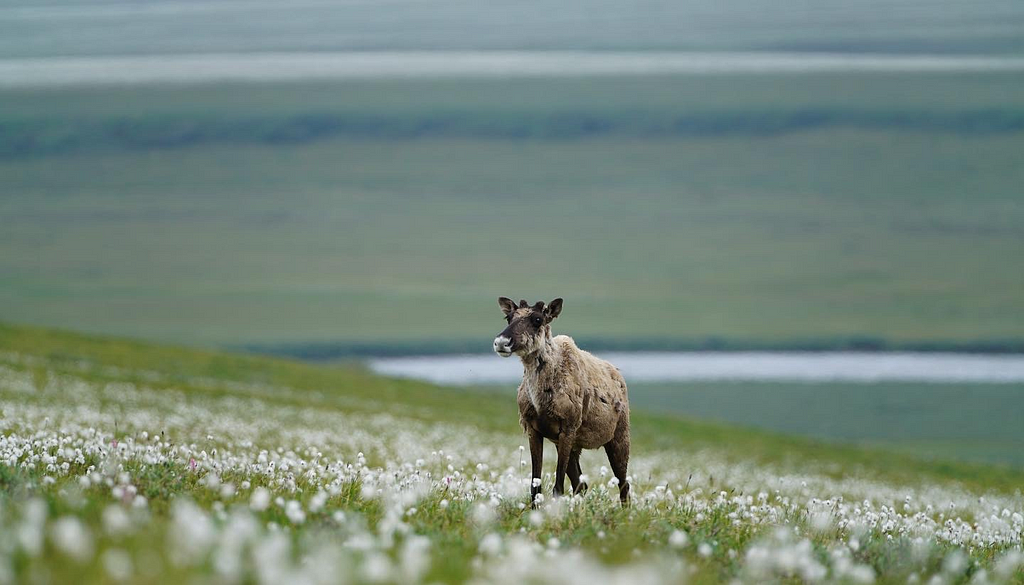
{"x":164,"y":384}
{"x":343,"y":387}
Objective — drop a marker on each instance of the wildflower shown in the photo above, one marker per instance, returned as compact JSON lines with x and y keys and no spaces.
{"x":30,"y":531}
{"x":320,"y":499}
{"x":191,"y":533}
{"x":377,"y":568}
{"x":821,"y":521}
{"x":955,"y":563}
{"x":72,"y":538}
{"x":260,"y":499}
{"x":115,"y":520}
{"x":483,"y":514}
{"x":118,"y":564}
{"x":293,"y":510}
{"x":1008,"y":564}
{"x":678,"y":539}
{"x":490,"y":544}
{"x":414,"y":558}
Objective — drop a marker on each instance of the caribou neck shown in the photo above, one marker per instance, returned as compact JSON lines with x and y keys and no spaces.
{"x":536,"y":363}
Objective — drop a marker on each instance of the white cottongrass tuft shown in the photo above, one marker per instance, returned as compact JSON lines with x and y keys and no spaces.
{"x":117,"y":564}
{"x":72,"y":538}
{"x":260,"y":499}
{"x":116,"y":520}
{"x":293,"y":510}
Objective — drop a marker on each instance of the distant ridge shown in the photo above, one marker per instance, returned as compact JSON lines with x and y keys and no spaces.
{"x":51,"y":137}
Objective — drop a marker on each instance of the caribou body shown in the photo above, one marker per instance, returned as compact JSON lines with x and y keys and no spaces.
{"x":567,"y":395}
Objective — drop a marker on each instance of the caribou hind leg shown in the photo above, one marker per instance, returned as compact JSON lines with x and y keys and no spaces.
{"x":618,"y":457}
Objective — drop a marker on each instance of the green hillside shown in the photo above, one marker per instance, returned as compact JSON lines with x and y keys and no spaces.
{"x":121,"y":460}
{"x":353,"y":388}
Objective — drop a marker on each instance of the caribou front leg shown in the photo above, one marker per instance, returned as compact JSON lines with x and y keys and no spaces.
{"x":537,"y":460}
{"x":575,"y":472}
{"x":564,"y":446}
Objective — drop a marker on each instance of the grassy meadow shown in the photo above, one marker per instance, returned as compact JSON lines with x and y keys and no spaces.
{"x":816,"y":210}
{"x":126,"y":461}
{"x":168,"y":250}
{"x":973,"y":422}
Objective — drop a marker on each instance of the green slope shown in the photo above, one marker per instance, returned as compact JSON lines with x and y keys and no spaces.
{"x":342,"y":387}
{"x":132,"y":461}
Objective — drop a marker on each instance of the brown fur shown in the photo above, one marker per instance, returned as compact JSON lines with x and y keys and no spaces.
{"x":567,"y":396}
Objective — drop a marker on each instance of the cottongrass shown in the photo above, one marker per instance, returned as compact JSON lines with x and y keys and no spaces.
{"x":271,"y":491}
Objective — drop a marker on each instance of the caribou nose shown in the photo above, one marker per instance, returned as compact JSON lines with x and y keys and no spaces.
{"x":502,"y":346}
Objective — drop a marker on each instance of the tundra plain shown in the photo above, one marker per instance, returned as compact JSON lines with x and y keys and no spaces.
{"x":774,"y":211}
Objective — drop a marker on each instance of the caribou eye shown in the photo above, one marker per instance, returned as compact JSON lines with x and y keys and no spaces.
{"x":537,"y":321}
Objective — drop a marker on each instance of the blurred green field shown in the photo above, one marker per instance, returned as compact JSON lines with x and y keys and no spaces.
{"x":763,"y":209}
{"x":133,"y":117}
{"x":972,"y":422}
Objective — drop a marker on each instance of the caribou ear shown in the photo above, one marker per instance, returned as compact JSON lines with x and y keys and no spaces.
{"x":508,"y":306}
{"x":554,"y":309}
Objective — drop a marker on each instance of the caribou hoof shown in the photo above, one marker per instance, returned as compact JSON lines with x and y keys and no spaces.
{"x":535,"y":499}
{"x":624,"y":495}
